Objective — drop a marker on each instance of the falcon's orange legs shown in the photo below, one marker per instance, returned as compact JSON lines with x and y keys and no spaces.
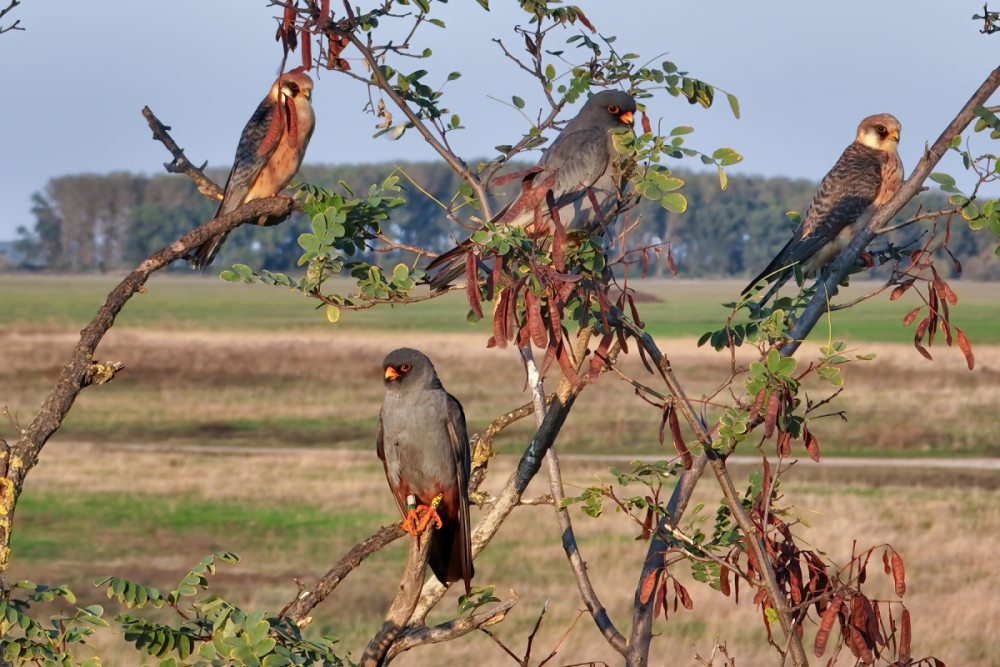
{"x":418,"y":518}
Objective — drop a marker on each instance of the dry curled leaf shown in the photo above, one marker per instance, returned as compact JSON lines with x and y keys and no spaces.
{"x":812,"y":445}
{"x":648,"y":584}
{"x":966,"y":347}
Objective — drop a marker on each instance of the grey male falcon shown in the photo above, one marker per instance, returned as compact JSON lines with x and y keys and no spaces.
{"x":866,"y":176}
{"x":577,"y":166}
{"x":424,"y":447}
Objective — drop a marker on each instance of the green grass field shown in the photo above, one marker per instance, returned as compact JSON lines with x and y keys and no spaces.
{"x":682,"y":308}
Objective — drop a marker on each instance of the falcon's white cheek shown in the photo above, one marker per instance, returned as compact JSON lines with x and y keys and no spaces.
{"x":871,"y":140}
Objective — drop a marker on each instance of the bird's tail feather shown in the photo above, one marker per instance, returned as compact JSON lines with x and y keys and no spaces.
{"x":447,"y":268}
{"x":204,"y":254}
{"x":447,"y":558}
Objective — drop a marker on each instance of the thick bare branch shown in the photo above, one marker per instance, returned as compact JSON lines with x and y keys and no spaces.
{"x":180,"y":164}
{"x":404,"y":603}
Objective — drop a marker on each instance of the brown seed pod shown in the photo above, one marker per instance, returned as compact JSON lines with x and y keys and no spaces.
{"x":826,"y":625}
{"x":472,"y":285}
{"x":898,"y":574}
{"x":905,"y":637}
{"x":679,"y":444}
{"x":771,"y":415}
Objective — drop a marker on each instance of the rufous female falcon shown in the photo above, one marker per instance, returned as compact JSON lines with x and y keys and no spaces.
{"x":269,"y":154}
{"x":868,"y":175}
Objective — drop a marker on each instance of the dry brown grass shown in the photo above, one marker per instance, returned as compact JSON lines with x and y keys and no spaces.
{"x":947,"y":536}
{"x":322,"y":388}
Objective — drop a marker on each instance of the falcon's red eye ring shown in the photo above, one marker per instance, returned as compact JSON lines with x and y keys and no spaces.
{"x":405,"y":368}
{"x":613,"y":110}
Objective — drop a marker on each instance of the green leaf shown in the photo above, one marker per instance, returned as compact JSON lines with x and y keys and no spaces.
{"x":734,"y":104}
{"x":550,"y":72}
{"x":454,"y":75}
{"x":332,"y":313}
{"x":674,"y":202}
{"x":683,"y":129}
{"x":518,"y":102}
{"x":958,"y":200}
{"x":723,"y":179}
{"x":438,"y":22}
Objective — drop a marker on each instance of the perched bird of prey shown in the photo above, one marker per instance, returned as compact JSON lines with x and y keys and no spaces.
{"x":422,"y":442}
{"x":867,"y":176}
{"x":269,"y":154}
{"x":580,"y":159}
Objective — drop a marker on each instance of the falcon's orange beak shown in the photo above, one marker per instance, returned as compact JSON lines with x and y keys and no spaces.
{"x":626,"y":118}
{"x":391,"y":374}
{"x":894,"y":135}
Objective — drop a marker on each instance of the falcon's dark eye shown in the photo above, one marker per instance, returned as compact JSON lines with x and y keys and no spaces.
{"x":881,"y":130}
{"x":613,"y":110}
{"x":405,"y":368}
{"x":292,"y":86}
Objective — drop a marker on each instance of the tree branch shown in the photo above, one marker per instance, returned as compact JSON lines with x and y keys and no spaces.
{"x":453,"y":160}
{"x":180,"y":164}
{"x":413,"y":637}
{"x":79,"y":372}
{"x":638,"y":653}
{"x":298,"y":609}
{"x":404,"y":603}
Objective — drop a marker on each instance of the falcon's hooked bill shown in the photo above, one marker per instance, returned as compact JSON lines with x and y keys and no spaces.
{"x":866,"y":177}
{"x":269,"y":154}
{"x":579,"y":164}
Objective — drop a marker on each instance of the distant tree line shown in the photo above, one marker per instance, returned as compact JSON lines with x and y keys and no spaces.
{"x":110,"y":222}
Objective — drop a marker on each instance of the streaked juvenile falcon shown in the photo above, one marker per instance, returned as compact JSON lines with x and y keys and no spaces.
{"x":269,"y":154}
{"x":581,"y":159}
{"x":868,"y":175}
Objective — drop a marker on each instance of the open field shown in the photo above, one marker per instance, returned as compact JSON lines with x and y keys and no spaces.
{"x":91,"y":511}
{"x":286,"y":404}
{"x":213,"y":363}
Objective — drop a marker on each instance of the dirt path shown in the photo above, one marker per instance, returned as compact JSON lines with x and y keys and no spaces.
{"x":830,"y":461}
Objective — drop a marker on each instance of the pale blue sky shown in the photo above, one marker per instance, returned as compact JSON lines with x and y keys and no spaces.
{"x":805,"y":74}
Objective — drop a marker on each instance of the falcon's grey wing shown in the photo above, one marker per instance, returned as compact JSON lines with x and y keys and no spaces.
{"x":579,"y":160}
{"x":459,"y":437}
{"x":380,"y":450}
